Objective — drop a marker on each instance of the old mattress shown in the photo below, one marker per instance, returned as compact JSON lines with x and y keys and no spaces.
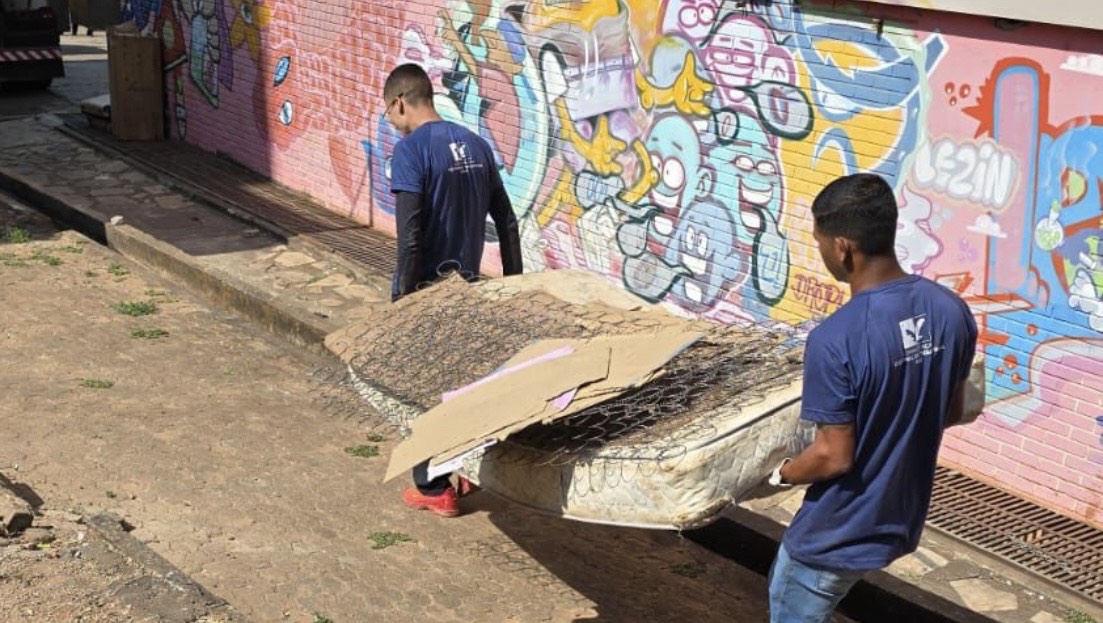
{"x":671,"y":454}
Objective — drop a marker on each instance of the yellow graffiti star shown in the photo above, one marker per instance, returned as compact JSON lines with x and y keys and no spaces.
{"x":251,"y":18}
{"x":687,"y":94}
{"x":601,"y":150}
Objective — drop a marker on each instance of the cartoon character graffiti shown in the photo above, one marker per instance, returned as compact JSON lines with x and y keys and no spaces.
{"x":676,"y":154}
{"x":708,"y":255}
{"x":681,"y":178}
{"x":592,"y":43}
{"x":207,"y":33}
{"x":740,"y":52}
{"x":749,"y":183}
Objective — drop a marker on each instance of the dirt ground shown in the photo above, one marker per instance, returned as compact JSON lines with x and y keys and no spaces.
{"x":203,"y":433}
{"x":53,"y":572}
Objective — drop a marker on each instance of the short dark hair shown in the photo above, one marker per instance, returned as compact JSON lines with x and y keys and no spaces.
{"x":861,"y":208}
{"x":411,"y":83}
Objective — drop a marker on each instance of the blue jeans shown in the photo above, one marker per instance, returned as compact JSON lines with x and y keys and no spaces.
{"x":803,"y":594}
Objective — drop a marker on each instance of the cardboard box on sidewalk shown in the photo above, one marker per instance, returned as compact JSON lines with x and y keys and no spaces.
{"x":136,"y":84}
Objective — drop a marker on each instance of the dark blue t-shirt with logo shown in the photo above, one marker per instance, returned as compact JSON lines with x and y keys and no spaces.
{"x":454,"y":171}
{"x":887,"y":361}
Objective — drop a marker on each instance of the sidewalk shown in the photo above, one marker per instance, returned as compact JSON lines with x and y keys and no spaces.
{"x":291,"y":287}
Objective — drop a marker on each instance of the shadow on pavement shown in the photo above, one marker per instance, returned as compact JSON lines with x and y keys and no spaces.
{"x":620,"y":575}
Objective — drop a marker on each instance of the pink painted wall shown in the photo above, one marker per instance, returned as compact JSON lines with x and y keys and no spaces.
{"x":674,"y":147}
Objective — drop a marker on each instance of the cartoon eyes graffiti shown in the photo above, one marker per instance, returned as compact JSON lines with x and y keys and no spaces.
{"x":673,"y":172}
{"x":764,"y":167}
{"x":696,"y":241}
{"x":702,"y":15}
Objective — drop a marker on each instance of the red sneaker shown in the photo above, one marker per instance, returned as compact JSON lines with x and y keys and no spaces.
{"x":444,"y":504}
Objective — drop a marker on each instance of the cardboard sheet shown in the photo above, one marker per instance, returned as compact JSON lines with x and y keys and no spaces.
{"x":599,"y":369}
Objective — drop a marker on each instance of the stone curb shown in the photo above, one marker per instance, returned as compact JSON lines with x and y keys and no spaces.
{"x":752,"y":540}
{"x":163,"y":586}
{"x":221,"y":289}
{"x":224,"y":290}
{"x":85,"y":220}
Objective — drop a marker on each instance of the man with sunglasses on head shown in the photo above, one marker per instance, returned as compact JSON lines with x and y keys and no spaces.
{"x":446,"y":182}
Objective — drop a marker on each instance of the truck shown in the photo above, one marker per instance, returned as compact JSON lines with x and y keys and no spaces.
{"x":30,"y":43}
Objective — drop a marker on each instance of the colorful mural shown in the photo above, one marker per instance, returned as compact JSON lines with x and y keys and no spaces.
{"x":674,"y":147}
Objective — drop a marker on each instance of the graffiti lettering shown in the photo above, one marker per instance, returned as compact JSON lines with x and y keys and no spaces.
{"x":982,"y":173}
{"x":820,"y":297}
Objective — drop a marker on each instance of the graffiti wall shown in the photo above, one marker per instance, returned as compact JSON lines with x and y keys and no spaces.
{"x":674,"y":147}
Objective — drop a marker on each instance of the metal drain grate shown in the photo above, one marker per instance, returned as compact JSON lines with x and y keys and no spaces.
{"x":1046,"y":543}
{"x":362,"y":245}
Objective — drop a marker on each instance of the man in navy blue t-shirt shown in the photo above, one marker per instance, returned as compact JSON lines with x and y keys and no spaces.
{"x":446,"y":181}
{"x":883,"y":377}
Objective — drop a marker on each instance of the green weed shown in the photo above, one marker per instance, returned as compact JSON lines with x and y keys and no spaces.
{"x":16,"y":235}
{"x":1076,"y":616}
{"x":47,"y":259}
{"x":383,"y":540}
{"x":136,"y":308}
{"x":364,"y":452}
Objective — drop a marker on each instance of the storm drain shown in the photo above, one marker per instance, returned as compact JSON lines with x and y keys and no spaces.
{"x":1046,"y":543}
{"x":362,"y":245}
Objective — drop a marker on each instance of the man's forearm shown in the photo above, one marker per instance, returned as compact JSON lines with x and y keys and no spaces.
{"x":831,"y":455}
{"x":810,"y":467}
{"x":408,"y":223}
{"x":509,"y":238}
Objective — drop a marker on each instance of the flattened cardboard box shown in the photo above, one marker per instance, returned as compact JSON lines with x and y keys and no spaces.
{"x":600,"y":369}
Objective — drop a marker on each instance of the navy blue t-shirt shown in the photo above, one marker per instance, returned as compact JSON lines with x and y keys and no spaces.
{"x":455,"y":172}
{"x":888,"y":361}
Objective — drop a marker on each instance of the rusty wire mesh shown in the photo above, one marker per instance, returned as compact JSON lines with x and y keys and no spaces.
{"x":401,"y":359}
